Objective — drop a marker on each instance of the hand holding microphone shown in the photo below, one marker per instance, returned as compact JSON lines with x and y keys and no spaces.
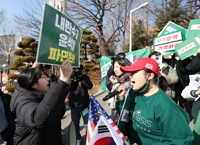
{"x":123,"y":89}
{"x":120,"y":91}
{"x":110,"y":95}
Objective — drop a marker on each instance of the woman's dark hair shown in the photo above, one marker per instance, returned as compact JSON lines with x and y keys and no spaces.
{"x":28,"y":77}
{"x":121,"y":61}
{"x":119,"y":55}
{"x":161,"y":81}
{"x":155,"y":78}
{"x":155,"y":53}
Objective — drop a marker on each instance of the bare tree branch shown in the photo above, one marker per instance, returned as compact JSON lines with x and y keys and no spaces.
{"x":30,"y":21}
{"x":2,"y":16}
{"x":102,"y":16}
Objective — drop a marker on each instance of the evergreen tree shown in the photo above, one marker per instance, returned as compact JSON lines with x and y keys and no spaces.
{"x":89,"y":51}
{"x":141,"y":37}
{"x":137,"y":36}
{"x":174,"y":11}
{"x":26,"y":55}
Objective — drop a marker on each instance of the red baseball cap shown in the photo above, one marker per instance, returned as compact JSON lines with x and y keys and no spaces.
{"x":142,"y":63}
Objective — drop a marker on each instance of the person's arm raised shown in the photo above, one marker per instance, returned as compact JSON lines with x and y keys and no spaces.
{"x":65,"y":71}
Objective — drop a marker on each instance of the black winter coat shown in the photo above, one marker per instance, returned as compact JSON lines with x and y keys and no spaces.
{"x":82,"y":98}
{"x":185,"y":68}
{"x":8,"y":133}
{"x":38,"y":115}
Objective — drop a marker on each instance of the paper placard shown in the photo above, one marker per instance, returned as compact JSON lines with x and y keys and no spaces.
{"x":187,"y":48}
{"x":194,"y":28}
{"x":195,"y":81}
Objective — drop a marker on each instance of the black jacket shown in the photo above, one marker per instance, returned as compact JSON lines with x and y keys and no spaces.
{"x":38,"y":115}
{"x":82,"y":98}
{"x":8,"y":133}
{"x":187,"y":67}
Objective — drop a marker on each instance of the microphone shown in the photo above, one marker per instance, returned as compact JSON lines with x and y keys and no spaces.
{"x":115,"y":92}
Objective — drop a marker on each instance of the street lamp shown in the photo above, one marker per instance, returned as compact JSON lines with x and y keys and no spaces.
{"x":144,"y":5}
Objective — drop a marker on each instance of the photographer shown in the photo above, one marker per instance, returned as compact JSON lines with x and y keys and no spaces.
{"x":79,"y":98}
{"x":46,"y":69}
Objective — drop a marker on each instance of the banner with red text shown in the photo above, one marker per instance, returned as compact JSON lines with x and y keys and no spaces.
{"x":165,"y":44}
{"x":187,"y":48}
{"x":194,"y":28}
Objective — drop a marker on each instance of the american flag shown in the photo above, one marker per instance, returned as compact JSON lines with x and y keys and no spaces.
{"x":94,"y":115}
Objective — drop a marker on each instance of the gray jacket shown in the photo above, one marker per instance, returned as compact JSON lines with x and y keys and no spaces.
{"x":172,"y":78}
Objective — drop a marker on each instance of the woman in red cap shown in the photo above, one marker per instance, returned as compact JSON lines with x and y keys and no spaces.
{"x":154,"y":117}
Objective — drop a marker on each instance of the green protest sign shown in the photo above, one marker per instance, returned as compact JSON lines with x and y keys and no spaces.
{"x":194,"y":28}
{"x":165,"y":44}
{"x":171,"y":27}
{"x":187,"y":48}
{"x":197,"y":38}
{"x":105,"y":63}
{"x":59,"y":38}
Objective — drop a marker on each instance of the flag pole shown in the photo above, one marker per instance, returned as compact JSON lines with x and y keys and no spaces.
{"x":126,"y":143}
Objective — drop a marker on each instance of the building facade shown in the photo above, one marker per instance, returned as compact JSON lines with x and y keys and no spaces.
{"x":59,"y":5}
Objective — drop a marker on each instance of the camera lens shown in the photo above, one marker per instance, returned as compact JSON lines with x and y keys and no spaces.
{"x":47,"y":66}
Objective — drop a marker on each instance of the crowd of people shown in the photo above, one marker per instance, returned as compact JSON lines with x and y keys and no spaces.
{"x":163,"y":101}
{"x":160,"y":109}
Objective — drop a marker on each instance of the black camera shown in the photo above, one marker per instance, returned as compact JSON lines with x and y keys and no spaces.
{"x":46,"y":66}
{"x":78,"y":74}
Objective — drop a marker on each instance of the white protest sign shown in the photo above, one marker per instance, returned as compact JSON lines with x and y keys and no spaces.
{"x":195,"y":81}
{"x":177,"y":36}
{"x":166,"y":47}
